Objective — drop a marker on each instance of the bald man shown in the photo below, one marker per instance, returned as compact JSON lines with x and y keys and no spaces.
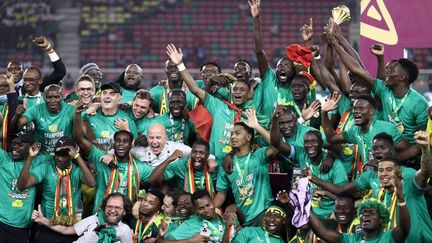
{"x":159,"y":148}
{"x":133,"y":76}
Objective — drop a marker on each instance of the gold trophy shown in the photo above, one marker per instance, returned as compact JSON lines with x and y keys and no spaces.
{"x":340,"y":14}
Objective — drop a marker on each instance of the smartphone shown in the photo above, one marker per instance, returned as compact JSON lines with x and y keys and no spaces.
{"x":205,"y":232}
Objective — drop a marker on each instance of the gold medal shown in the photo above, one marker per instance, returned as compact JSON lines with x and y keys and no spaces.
{"x":248,"y":202}
{"x":401,"y":127}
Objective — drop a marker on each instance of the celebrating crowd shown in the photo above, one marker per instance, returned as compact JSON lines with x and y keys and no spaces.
{"x":190,"y":160}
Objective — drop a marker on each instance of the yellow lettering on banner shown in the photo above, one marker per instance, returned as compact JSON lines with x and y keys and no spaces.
{"x":386,"y":36}
{"x":17,"y":203}
{"x":52,"y":128}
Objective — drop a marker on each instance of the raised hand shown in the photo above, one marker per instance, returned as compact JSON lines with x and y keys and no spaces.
{"x":395,"y":181}
{"x":37,"y":215}
{"x":107,"y":159}
{"x":307,"y":31}
{"x":175,"y":56}
{"x":227,"y":163}
{"x":20,"y":110}
{"x":34,"y":150}
{"x":142,"y":140}
{"x":10,"y":77}
{"x":377,"y":49}
{"x":71,"y":150}
{"x":283,"y":197}
{"x":230,"y":218}
{"x":422,"y":138}
{"x":279,"y":111}
{"x":252,"y":118}
{"x":79,"y":107}
{"x":331,"y":102}
{"x":91,"y":111}
{"x":307,"y":172}
{"x":255,"y":8}
{"x":330,"y":28}
{"x":121,"y":124}
{"x":43,"y":43}
{"x":309,"y":112}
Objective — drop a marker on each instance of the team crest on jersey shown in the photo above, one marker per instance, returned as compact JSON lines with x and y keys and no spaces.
{"x":53,"y":128}
{"x":105,"y":134}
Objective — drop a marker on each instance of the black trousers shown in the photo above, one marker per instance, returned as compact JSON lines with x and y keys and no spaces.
{"x":45,"y":235}
{"x":9,"y":234}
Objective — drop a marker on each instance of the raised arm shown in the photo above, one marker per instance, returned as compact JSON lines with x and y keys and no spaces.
{"x":378,"y":51}
{"x":177,"y":58}
{"x":307,"y":33}
{"x":253,"y":123}
{"x":18,"y":121}
{"x":25,"y":180}
{"x":275,"y":136}
{"x":346,"y":45}
{"x":59,"y":68}
{"x":261,"y":56}
{"x":157,"y":176}
{"x":351,"y":63}
{"x":401,"y":231}
{"x":406,"y":151}
{"x":329,"y":105}
{"x":219,"y":199}
{"x":39,"y":218}
{"x":321,"y":231}
{"x":422,"y":175}
{"x":344,"y":79}
{"x":332,"y":188}
{"x":329,"y":62}
{"x":327,"y":79}
{"x":78,"y":133}
{"x":88,"y":177}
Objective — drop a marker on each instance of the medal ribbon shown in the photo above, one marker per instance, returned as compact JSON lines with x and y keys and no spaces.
{"x":297,"y":237}
{"x":395,"y":109}
{"x":141,"y":232}
{"x":132,"y":177}
{"x":242,"y":173}
{"x":343,"y":121}
{"x":5,"y":125}
{"x":357,"y":166}
{"x":60,"y":191}
{"x":164,"y":102}
{"x":189,"y":183}
{"x":354,"y":222}
{"x":382,"y":196}
{"x":173,"y":130}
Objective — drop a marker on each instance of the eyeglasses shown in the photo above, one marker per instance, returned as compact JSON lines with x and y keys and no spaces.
{"x":114,"y":207}
{"x":85,"y":89}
